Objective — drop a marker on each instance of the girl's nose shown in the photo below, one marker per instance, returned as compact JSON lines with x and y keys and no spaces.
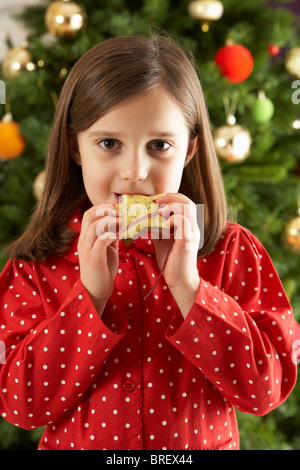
{"x":134,"y":168}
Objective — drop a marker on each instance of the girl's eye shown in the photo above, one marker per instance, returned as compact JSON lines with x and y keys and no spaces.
{"x":109,"y":144}
{"x":160,"y":146}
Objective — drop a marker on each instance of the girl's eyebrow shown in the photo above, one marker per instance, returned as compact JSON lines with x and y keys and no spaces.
{"x":108,"y":133}
{"x":103,"y":132}
{"x":163,"y":134}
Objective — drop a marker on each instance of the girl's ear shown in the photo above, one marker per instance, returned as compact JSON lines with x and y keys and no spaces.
{"x":73,"y":148}
{"x":192,"y":149}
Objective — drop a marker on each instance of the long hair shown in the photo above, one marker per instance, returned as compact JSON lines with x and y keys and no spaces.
{"x":105,"y":76}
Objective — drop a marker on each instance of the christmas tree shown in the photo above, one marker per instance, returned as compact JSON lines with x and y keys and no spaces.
{"x":248,"y":58}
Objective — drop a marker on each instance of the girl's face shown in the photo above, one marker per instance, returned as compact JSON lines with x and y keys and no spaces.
{"x":139,"y":147}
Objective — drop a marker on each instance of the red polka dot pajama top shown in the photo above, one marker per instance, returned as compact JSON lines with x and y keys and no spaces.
{"x":142,"y":377}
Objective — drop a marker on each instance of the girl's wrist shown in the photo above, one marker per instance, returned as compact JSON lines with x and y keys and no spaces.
{"x":99,"y":304}
{"x":185,"y":295}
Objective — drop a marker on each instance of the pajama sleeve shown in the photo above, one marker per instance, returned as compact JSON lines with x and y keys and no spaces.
{"x":47,"y":362}
{"x":240,"y":335}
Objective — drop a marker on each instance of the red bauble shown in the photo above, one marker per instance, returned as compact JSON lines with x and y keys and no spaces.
{"x":235,"y":62}
{"x":273,"y":49}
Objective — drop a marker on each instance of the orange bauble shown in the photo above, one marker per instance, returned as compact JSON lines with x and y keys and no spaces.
{"x":235,"y":62}
{"x":12,"y":143}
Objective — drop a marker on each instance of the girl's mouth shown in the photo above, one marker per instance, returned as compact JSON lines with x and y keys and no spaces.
{"x":117,"y":195}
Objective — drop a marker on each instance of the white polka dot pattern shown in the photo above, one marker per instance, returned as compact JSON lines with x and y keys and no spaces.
{"x":142,"y":377}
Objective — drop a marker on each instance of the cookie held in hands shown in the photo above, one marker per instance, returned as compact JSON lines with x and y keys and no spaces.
{"x":140,"y":216}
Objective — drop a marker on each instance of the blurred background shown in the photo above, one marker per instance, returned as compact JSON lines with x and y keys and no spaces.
{"x":248,"y":56}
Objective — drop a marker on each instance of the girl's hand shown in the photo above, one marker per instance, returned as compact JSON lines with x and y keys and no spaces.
{"x":180,"y":272}
{"x":98,"y":253}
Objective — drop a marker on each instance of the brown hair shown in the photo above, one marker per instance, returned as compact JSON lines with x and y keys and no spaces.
{"x":102,"y":78}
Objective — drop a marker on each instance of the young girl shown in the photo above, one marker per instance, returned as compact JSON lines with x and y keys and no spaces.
{"x":101,"y":348}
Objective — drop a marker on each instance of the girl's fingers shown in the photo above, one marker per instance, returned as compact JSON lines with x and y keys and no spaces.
{"x":176,"y":208}
{"x":185,"y":210}
{"x":104,"y":241}
{"x":105,"y":209}
{"x":93,"y":214}
{"x":108,"y":224}
{"x":182,"y":225}
{"x":173,"y":197}
{"x":99,"y":228}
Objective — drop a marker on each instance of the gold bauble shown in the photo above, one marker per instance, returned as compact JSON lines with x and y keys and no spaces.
{"x":292,"y":235}
{"x":292,"y":61}
{"x":64,"y":18}
{"x":206,"y":11}
{"x":232,"y":143}
{"x":16,"y":60}
{"x":38,"y":185}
